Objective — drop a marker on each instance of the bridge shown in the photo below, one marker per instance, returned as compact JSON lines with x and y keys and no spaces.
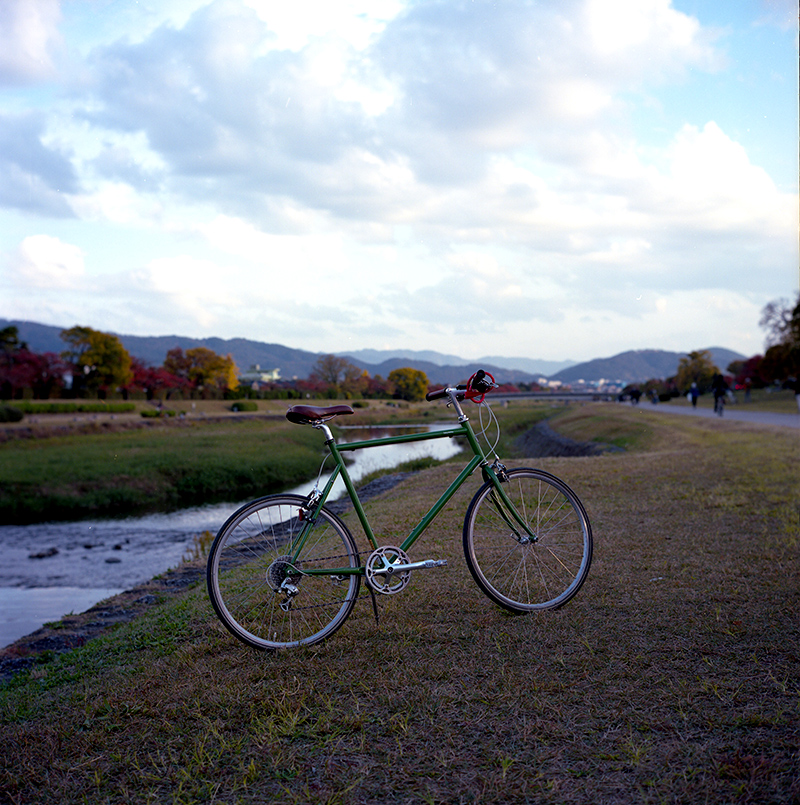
{"x":595,"y":396}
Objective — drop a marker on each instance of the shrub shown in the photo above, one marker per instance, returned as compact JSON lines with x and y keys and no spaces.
{"x":244,"y":405}
{"x":10,"y":414}
{"x":75,"y":408}
{"x":155,"y":413}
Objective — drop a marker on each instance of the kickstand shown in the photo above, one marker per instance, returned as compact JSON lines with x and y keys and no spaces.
{"x":374,"y":603}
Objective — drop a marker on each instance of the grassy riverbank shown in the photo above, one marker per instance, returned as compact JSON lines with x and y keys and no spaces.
{"x":120,"y":469}
{"x":672,"y":677}
{"x":125,"y":471}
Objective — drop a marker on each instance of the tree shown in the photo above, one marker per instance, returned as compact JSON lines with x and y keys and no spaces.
{"x":779,"y":320}
{"x":697,"y":367}
{"x":22,"y":369}
{"x":99,"y":361}
{"x":9,"y":340}
{"x":337,"y":375}
{"x":780,"y":362}
{"x":203,"y":368}
{"x":155,"y":381}
{"x":410,"y":384}
{"x":749,"y":373}
{"x":782,"y":323}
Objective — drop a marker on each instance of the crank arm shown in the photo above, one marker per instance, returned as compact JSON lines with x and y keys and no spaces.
{"x":388,"y":571}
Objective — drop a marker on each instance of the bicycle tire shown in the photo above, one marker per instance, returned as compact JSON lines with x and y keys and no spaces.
{"x":248,"y":561}
{"x":543,"y":574}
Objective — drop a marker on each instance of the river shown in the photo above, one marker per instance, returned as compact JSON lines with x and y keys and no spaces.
{"x":51,"y":569}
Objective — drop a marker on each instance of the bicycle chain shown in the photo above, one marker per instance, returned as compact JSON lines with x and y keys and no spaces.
{"x":319,"y":559}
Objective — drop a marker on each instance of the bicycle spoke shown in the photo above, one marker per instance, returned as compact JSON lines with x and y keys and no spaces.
{"x":520,"y":575}
{"x":262,"y":594}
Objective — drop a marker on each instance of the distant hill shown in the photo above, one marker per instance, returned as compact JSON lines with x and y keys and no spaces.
{"x":531,"y":366}
{"x":443,"y":374}
{"x":630,"y":367}
{"x":377,"y":356}
{"x":636,"y":366}
{"x":535,"y":366}
{"x":153,"y":349}
{"x":293,"y":363}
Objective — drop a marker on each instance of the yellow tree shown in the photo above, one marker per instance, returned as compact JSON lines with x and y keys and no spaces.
{"x":697,"y":367}
{"x":98,"y":360}
{"x":203,"y":368}
{"x":409,"y":384}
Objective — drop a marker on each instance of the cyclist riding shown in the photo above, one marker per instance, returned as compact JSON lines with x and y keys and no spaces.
{"x":720,"y":388}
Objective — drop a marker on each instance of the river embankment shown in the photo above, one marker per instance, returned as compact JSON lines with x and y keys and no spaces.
{"x":45,"y":562}
{"x":541,"y":441}
{"x":76,"y":629}
{"x":119,"y":556}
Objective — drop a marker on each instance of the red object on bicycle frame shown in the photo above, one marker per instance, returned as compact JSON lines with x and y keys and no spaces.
{"x":476,"y":395}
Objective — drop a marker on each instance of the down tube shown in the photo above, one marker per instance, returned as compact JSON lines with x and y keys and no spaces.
{"x":442,"y":502}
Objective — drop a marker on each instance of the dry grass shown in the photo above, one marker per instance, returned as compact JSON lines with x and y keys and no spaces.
{"x":673,"y":677}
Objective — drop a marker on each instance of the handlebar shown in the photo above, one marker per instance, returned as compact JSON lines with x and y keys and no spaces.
{"x":475,"y":388}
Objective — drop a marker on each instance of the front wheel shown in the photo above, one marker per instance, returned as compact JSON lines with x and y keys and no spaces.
{"x":519,"y":572}
{"x":272,"y":574}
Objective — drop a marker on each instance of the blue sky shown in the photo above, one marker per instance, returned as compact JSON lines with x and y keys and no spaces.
{"x":562,"y":179}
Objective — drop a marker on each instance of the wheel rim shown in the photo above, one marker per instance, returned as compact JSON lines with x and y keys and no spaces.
{"x":248,"y":564}
{"x":541,"y":574}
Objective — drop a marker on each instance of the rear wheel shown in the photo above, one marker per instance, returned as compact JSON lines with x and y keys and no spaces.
{"x":267,"y":594}
{"x":517,"y":572}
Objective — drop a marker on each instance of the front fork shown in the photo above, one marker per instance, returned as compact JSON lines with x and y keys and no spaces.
{"x":497,"y":475}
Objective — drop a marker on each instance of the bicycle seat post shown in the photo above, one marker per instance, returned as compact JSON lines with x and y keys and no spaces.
{"x":325,"y":429}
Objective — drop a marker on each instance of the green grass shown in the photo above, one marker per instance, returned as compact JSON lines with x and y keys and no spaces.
{"x":604,"y":424}
{"x":28,"y":407}
{"x":779,"y":401}
{"x":126,"y":471}
{"x":673,"y":676}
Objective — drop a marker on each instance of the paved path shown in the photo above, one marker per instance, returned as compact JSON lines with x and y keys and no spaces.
{"x":731,"y":412}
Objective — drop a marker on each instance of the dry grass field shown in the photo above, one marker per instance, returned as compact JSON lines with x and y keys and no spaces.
{"x":673,"y":676}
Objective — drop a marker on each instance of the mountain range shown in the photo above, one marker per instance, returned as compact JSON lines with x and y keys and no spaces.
{"x":638,"y":365}
{"x":630,"y":367}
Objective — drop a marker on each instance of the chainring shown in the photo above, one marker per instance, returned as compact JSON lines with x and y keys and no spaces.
{"x":380,"y":576}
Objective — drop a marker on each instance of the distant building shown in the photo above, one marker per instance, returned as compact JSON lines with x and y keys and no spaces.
{"x":603,"y":385}
{"x":254,"y":376}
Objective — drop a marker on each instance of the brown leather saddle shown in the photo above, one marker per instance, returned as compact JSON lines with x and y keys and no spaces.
{"x":309,"y":414}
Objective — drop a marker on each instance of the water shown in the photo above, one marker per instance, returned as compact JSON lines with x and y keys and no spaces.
{"x":50,"y":569}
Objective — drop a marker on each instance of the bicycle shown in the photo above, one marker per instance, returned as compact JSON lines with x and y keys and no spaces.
{"x":285,"y":571}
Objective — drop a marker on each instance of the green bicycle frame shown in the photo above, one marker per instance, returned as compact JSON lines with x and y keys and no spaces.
{"x":478,"y":460}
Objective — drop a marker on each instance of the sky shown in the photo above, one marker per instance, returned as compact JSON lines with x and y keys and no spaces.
{"x":553,"y":179}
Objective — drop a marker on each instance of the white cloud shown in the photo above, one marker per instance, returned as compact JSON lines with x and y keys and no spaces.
{"x":712,"y":179}
{"x":200,"y":289}
{"x":28,"y":38}
{"x":45,"y":262}
{"x":400,"y":169}
{"x":354,"y":21}
{"x":644,"y":37}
